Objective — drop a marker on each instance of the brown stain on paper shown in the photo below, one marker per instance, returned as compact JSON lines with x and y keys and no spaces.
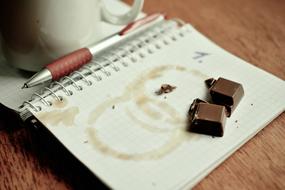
{"x":60,"y":104}
{"x":154,"y":129}
{"x":143,"y":103}
{"x":64,"y":116}
{"x":135,"y":92}
{"x":176,"y":138}
{"x":199,"y":74}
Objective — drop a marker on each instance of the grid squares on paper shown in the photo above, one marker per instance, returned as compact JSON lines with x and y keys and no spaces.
{"x":192,"y":154}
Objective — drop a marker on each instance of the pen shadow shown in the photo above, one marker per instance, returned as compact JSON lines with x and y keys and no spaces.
{"x":25,"y":74}
{"x":48,"y":157}
{"x":7,"y":70}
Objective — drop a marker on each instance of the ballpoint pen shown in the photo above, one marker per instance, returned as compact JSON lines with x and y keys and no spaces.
{"x":74,"y":60}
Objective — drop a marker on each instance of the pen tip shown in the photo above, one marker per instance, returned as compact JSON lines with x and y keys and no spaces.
{"x":25,"y":86}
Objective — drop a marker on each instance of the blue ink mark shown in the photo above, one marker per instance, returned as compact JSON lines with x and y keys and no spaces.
{"x":200,"y":55}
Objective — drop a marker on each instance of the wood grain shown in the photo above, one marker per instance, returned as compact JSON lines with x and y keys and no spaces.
{"x":254,"y":30}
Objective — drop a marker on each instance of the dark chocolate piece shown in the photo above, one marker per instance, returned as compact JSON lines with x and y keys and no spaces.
{"x":165,"y":88}
{"x":210,"y":82}
{"x":194,"y":105}
{"x":225,"y":92}
{"x":206,"y":118}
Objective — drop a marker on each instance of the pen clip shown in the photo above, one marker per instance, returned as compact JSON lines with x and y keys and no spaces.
{"x":138,"y":23}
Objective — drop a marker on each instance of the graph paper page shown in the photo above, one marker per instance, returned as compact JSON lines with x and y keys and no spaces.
{"x":132,"y":138}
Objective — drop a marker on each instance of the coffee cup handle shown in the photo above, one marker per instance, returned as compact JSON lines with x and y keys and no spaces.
{"x":124,"y":18}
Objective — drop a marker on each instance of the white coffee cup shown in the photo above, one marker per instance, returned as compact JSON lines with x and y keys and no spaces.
{"x":36,"y":32}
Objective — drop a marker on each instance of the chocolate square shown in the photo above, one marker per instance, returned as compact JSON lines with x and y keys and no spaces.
{"x":206,"y":118}
{"x":225,"y":92}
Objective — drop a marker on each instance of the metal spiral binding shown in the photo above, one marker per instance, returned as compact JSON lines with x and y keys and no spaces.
{"x":59,"y":98}
{"x":91,"y":72}
{"x":111,"y":62}
{"x":130,"y":52}
{"x":73,"y":82}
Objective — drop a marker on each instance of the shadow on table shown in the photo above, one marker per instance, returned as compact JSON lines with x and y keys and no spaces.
{"x":42,"y":147}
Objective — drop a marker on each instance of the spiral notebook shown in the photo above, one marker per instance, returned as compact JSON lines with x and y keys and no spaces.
{"x":111,"y":119}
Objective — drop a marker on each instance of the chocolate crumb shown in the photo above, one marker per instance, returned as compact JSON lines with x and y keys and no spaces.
{"x":113,"y":107}
{"x":165,"y":88}
{"x":165,"y":97}
{"x":251,"y":104}
{"x":85,"y":142}
{"x":236,"y":121}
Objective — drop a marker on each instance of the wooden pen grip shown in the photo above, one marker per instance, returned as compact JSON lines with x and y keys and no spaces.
{"x":69,"y":63}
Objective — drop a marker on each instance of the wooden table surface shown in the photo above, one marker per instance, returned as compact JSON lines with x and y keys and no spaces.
{"x":251,"y":29}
